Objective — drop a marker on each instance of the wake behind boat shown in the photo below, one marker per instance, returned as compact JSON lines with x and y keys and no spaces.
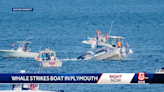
{"x":20,"y":52}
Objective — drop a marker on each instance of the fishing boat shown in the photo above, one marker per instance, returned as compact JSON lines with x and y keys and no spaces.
{"x":160,"y":71}
{"x":20,"y":52}
{"x":27,"y":87}
{"x":49,"y":59}
{"x":104,"y":53}
{"x":91,"y":43}
{"x":110,"y":43}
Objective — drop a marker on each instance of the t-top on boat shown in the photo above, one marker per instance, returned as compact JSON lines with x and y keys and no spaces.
{"x":20,"y":52}
{"x":49,"y":59}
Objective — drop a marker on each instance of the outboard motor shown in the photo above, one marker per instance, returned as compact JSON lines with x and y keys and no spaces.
{"x":122,"y":51}
{"x":130,"y":51}
{"x":88,"y":55}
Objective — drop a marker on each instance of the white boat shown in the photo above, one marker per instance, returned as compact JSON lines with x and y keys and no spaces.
{"x":91,"y":43}
{"x":101,"y":54}
{"x":102,"y":42}
{"x":160,"y":71}
{"x":27,"y":87}
{"x":20,"y":52}
{"x":50,"y":59}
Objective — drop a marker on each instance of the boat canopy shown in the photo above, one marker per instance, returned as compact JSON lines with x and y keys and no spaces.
{"x":115,"y":37}
{"x":47,"y":51}
{"x":23,"y":42}
{"x":50,"y":51}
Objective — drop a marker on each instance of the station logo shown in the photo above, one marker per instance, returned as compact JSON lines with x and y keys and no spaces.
{"x":142,"y":77}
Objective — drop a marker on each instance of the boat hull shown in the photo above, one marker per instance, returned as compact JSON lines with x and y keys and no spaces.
{"x":12,"y":53}
{"x":90,"y":44}
{"x":51,"y":63}
{"x":108,"y":55}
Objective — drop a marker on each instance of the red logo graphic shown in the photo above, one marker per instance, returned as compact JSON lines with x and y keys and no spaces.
{"x":52,"y":63}
{"x":141,"y":76}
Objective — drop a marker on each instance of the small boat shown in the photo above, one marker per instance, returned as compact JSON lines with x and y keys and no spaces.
{"x":27,"y":87}
{"x":20,"y":52}
{"x":49,"y":59}
{"x":102,"y":54}
{"x":91,"y":43}
{"x":160,"y":71}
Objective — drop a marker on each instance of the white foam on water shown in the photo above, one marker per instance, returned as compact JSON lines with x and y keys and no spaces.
{"x":125,"y":59}
{"x":69,"y":59}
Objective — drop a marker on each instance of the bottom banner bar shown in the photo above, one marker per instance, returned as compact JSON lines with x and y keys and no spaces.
{"x":104,"y":78}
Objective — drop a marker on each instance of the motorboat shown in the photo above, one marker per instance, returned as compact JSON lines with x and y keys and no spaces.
{"x":49,"y":59}
{"x":91,"y":43}
{"x":104,"y":53}
{"x":160,"y":71}
{"x":25,"y":87}
{"x":102,"y":42}
{"x":20,"y":52}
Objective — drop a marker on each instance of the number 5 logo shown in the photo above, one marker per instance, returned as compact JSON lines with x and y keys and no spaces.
{"x":141,"y":76}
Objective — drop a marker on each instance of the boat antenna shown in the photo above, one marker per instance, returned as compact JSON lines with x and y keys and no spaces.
{"x":39,"y":48}
{"x":28,"y":38}
{"x":110,"y":27}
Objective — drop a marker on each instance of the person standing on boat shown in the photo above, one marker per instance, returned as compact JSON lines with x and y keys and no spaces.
{"x":12,"y":46}
{"x":97,"y":37}
{"x":106,"y":36}
{"x":88,"y":38}
{"x":43,"y":57}
{"x":26,"y":48}
{"x":97,"y":34}
{"x":118,"y":44}
{"x":127,"y":46}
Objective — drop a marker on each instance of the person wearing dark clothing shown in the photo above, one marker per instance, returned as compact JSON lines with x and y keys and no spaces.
{"x":12,"y":46}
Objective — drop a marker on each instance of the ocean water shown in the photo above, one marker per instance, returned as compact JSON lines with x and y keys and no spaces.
{"x":62,"y":25}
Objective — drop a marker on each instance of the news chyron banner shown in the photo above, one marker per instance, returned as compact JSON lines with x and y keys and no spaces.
{"x":104,"y":78}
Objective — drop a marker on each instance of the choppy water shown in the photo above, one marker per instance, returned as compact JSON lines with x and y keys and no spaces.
{"x":63,"y":24}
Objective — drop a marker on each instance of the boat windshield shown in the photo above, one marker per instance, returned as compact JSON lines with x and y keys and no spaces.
{"x":113,"y":41}
{"x":52,"y":54}
{"x":99,"y":51}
